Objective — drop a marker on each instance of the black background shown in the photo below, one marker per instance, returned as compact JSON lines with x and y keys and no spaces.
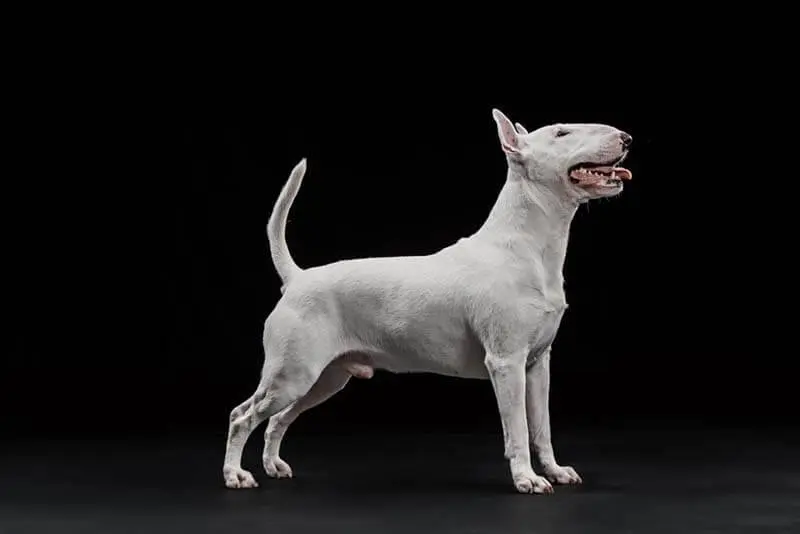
{"x":143,"y":156}
{"x":140,"y":275}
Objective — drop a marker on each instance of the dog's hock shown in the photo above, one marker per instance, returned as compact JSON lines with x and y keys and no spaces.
{"x":510,"y":140}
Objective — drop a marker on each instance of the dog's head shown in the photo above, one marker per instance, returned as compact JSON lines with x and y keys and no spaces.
{"x":577,"y":162}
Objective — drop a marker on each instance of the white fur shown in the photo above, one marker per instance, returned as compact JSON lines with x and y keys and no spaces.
{"x":487,"y":307}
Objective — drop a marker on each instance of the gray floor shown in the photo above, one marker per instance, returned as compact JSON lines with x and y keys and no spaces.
{"x":637,"y":481}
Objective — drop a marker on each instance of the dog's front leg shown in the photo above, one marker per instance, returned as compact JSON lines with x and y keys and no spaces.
{"x":507,"y":373}
{"x":538,"y":408}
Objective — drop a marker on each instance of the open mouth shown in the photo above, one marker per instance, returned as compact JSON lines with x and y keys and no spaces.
{"x":599,"y":174}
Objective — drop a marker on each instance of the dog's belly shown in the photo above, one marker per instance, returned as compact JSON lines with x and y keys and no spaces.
{"x":458,"y":357}
{"x":428,"y":339}
{"x":424,"y":338}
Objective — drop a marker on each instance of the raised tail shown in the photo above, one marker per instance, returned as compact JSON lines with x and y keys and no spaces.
{"x":276,"y":227}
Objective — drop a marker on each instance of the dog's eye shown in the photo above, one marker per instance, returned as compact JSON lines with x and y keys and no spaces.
{"x":561,"y":133}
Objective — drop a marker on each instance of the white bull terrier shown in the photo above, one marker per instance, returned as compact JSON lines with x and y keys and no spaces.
{"x":486,"y":307}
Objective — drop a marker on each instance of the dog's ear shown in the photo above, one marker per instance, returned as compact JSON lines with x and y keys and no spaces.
{"x":509,"y":139}
{"x":521,"y":129}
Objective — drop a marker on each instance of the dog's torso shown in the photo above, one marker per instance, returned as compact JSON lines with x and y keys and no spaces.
{"x":439,"y":313}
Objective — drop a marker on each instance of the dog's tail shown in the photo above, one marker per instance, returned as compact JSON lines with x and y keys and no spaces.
{"x":276,"y":227}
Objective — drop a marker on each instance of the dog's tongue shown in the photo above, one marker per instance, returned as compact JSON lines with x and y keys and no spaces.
{"x":622,"y":173}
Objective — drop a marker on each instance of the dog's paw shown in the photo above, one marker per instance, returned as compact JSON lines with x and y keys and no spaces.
{"x":532,"y":483}
{"x":562,"y":475}
{"x":238,"y":478}
{"x":277,"y":468}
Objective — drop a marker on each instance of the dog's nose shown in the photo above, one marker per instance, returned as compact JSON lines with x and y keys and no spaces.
{"x":626,"y":139}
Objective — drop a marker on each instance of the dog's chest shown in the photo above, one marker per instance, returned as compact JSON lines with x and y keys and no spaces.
{"x":550,"y":323}
{"x":555,"y":305}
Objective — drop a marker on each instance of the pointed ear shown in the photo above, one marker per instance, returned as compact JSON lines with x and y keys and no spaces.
{"x":509,"y":139}
{"x":521,"y":129}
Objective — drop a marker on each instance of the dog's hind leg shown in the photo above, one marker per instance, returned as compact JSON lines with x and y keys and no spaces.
{"x":274,"y":394}
{"x":238,"y":431}
{"x":332,"y":380}
{"x":291,"y":368}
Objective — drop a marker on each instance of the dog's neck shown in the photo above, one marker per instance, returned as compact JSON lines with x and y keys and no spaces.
{"x":533,"y":223}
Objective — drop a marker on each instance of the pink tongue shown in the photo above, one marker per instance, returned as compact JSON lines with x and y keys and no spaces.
{"x":622,"y":173}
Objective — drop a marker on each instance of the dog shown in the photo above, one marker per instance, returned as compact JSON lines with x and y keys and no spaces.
{"x":486,"y":307}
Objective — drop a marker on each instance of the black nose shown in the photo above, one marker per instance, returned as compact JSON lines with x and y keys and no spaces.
{"x":626,"y":139}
